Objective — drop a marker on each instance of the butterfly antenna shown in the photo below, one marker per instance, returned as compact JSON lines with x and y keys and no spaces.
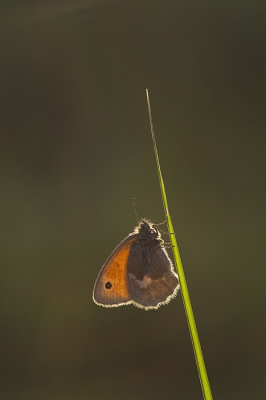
{"x":135,"y":208}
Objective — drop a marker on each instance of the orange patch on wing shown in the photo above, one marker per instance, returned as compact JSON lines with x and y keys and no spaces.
{"x":111,"y":287}
{"x":116,"y":273}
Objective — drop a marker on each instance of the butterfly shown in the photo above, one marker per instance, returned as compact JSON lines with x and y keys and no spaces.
{"x":138,"y":271}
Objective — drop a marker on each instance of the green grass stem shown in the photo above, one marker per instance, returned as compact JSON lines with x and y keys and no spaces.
{"x":206,"y":390}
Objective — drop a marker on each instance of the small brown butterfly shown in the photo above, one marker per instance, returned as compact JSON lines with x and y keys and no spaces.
{"x":139,"y":271}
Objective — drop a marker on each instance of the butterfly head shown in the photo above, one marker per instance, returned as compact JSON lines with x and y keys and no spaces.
{"x":147,"y":232}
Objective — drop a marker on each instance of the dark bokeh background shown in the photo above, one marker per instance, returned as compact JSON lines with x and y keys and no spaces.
{"x":75,"y":148}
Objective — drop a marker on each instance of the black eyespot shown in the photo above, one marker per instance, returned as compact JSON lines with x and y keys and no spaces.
{"x":108,"y":285}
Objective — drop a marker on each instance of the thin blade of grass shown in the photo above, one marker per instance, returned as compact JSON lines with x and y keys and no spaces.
{"x":205,"y":385}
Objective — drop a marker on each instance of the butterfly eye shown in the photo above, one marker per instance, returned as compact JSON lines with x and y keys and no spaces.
{"x":108,"y":285}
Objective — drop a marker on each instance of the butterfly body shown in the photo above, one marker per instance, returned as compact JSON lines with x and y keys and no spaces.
{"x":139,"y":271}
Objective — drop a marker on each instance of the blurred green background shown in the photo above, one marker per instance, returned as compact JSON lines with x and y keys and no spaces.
{"x":75,"y":148}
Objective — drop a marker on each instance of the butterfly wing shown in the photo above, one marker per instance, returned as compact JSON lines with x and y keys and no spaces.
{"x":151,"y":278}
{"x":111,"y":286}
